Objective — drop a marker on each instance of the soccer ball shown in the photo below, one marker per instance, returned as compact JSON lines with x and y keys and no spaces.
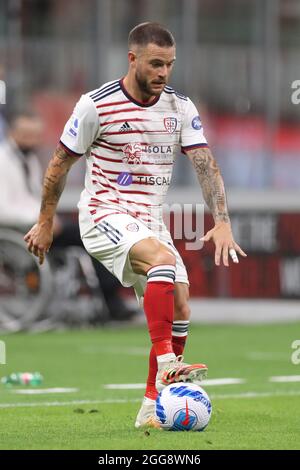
{"x":183,"y":407}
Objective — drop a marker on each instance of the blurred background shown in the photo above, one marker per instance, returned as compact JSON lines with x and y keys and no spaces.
{"x":237,"y":60}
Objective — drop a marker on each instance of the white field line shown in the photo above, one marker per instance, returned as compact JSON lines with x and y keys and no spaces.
{"x":68,"y":403}
{"x":214,"y":396}
{"x":289,"y":393}
{"x":124,"y":386}
{"x":225,"y":381}
{"x":285,"y":378}
{"x":133,"y":351}
{"x":266,"y":356}
{"x":44,"y":391}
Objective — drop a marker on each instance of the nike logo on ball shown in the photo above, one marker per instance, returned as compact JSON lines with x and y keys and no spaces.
{"x":185,"y":422}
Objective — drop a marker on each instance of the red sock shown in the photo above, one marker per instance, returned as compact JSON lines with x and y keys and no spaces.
{"x":179,"y":335}
{"x":178,"y":343}
{"x":159,"y":310}
{"x":159,"y":307}
{"x":151,"y":391}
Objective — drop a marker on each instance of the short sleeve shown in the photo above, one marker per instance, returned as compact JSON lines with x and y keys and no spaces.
{"x":81,"y":129}
{"x":192,"y":134}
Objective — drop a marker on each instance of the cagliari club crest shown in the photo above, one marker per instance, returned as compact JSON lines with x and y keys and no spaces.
{"x":132,"y":153}
{"x":170,"y":124}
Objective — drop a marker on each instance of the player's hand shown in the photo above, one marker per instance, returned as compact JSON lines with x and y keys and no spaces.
{"x":222,"y":236}
{"x":39,"y":239}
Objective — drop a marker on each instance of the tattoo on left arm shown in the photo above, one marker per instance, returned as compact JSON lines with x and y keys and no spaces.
{"x":211,"y":182}
{"x":54,"y":183}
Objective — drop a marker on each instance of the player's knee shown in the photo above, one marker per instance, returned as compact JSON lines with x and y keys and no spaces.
{"x":182,"y":311}
{"x":149,"y":253}
{"x":163,"y":256}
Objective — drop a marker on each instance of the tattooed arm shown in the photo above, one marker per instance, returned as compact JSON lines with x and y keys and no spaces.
{"x":213,"y":189}
{"x":39,"y":238}
{"x":211,"y":182}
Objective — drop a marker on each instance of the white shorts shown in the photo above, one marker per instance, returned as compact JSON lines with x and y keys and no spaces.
{"x":111,"y":240}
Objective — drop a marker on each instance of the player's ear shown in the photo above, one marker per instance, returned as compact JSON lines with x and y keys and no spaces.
{"x":131,"y":57}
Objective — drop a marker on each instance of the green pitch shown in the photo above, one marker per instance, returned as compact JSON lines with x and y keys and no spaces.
{"x":256,"y":414}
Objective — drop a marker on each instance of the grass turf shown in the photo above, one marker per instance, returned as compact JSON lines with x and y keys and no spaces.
{"x":96,"y":418}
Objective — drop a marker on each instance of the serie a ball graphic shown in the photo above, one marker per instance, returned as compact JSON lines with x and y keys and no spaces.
{"x":183,"y":407}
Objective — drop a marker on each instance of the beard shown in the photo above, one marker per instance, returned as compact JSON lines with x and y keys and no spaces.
{"x":144,"y":86}
{"x":26,"y":150}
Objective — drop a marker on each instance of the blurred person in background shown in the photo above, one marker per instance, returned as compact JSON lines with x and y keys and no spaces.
{"x":20,"y":193}
{"x":2,"y":102}
{"x":2,"y":127}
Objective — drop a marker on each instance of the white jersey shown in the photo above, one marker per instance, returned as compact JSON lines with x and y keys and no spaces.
{"x":130,"y":149}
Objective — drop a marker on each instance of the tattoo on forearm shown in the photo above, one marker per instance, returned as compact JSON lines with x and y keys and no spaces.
{"x":54,"y":181}
{"x":211,"y":182}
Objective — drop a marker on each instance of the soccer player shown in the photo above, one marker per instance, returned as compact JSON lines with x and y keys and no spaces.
{"x":129,"y":130}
